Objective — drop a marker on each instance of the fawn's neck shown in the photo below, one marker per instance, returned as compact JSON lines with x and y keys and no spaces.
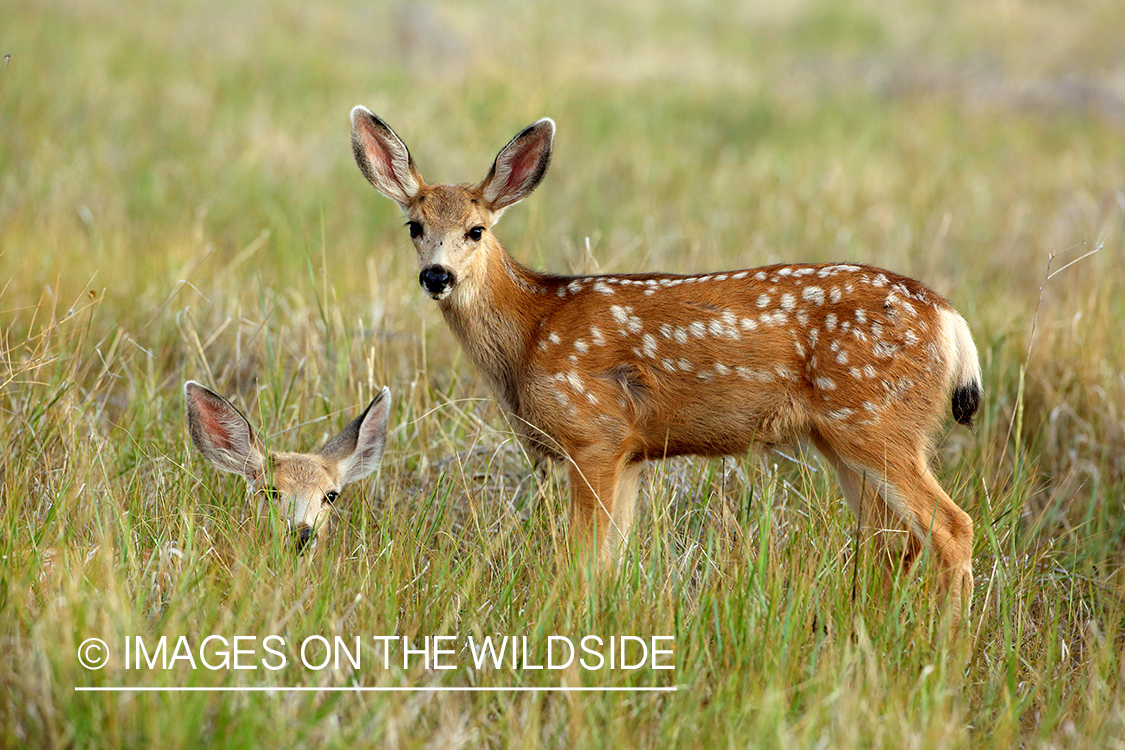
{"x":497,"y":320}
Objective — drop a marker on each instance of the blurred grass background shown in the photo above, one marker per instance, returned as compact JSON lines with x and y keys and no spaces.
{"x":178,"y":200}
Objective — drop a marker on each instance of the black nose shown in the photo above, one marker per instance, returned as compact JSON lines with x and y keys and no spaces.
{"x":305,"y":534}
{"x":435,"y":279}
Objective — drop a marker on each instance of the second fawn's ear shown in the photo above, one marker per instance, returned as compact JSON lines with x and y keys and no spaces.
{"x":520,"y":165}
{"x":222,"y":434}
{"x":383,"y":157}
{"x":358,"y":449}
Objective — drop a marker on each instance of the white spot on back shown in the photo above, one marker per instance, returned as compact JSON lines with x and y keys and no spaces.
{"x":834,"y":295}
{"x":783,"y":372}
{"x":813,"y":294}
{"x":763,"y":300}
{"x":788,"y":301}
{"x":649,"y":345}
{"x":553,"y":338}
{"x":698,"y":330}
{"x":581,"y":345}
{"x":882,"y":350}
{"x":596,"y":335}
{"x":830,"y":321}
{"x":825,"y":384}
{"x":599,"y":286}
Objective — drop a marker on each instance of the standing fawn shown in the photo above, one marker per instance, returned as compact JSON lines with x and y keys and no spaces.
{"x":304,"y":485}
{"x":606,"y":372}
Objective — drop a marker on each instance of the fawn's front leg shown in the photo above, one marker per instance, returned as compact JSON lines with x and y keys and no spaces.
{"x":597,"y":524}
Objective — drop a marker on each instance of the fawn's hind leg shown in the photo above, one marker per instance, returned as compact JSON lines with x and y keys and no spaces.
{"x":895,"y":546}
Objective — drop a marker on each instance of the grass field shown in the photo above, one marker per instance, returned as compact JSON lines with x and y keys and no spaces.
{"x":178,"y":200}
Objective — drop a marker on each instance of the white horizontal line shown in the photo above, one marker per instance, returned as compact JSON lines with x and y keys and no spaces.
{"x":365,"y":689}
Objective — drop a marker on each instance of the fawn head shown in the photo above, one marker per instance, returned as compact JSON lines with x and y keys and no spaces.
{"x":303,"y":485}
{"x":450,"y":224}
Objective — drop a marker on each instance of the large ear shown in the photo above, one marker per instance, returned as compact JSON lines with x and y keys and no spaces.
{"x":520,"y":165}
{"x":359,"y":448}
{"x":222,"y":434}
{"x":383,"y":157}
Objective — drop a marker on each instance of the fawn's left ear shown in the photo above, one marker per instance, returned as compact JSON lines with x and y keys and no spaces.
{"x":222,"y":434}
{"x":520,"y":165}
{"x":358,"y":449}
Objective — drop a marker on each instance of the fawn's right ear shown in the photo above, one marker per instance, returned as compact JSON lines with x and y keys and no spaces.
{"x":383,"y":157}
{"x":222,"y":434}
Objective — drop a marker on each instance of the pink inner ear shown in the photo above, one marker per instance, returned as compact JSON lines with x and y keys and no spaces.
{"x":214,"y":428}
{"x":522,"y":166}
{"x":379,"y":157}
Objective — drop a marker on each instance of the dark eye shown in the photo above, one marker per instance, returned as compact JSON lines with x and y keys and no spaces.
{"x":415,"y":229}
{"x":330,"y":497}
{"x":475,"y":233}
{"x":272,"y":493}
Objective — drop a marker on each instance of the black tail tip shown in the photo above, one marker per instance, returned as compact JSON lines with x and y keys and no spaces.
{"x":966,"y":400}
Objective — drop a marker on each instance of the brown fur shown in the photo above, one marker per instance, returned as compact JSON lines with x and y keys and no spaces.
{"x":606,"y":372}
